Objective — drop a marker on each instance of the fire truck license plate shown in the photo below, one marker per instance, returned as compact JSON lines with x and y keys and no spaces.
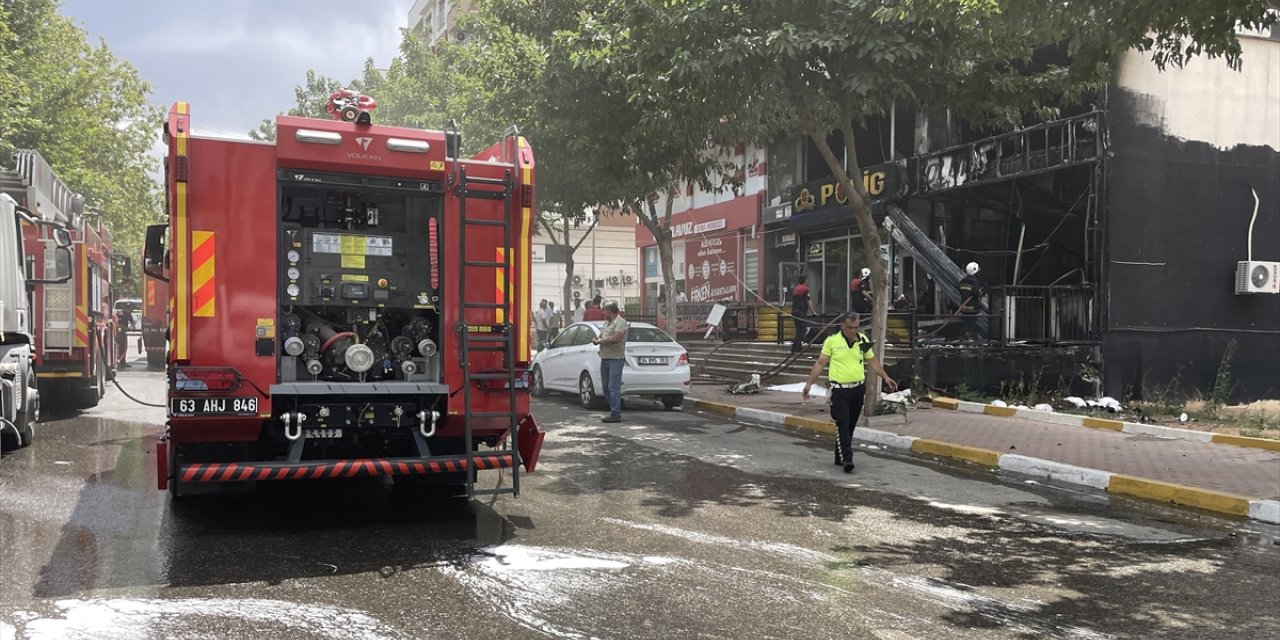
{"x":197,"y":407}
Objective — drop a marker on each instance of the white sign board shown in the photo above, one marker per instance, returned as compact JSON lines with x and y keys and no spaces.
{"x":539,"y":253}
{"x":714,"y":318}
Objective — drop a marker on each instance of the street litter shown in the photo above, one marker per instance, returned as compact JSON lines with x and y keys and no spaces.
{"x":1106,"y":402}
{"x":818,"y":391}
{"x":752,"y":385}
{"x":897,"y":397}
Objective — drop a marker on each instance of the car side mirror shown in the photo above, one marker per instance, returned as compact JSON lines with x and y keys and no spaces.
{"x":61,"y":267}
{"x":58,"y":243}
{"x":153,"y":252}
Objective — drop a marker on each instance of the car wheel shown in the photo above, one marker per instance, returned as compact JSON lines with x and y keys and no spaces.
{"x":539,"y":389}
{"x":587,"y":392}
{"x":672,"y":401}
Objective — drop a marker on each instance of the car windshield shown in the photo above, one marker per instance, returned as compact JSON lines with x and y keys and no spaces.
{"x":647,"y":334}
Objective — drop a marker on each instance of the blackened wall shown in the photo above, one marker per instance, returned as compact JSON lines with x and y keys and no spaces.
{"x":1176,"y":224}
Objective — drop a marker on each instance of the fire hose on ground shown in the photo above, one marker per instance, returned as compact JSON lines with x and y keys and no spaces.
{"x":102,"y":356}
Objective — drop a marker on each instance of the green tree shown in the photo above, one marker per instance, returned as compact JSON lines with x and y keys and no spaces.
{"x":826,"y":65}
{"x":85,"y":110}
{"x":608,"y":142}
{"x":502,"y":79}
{"x":266,"y":130}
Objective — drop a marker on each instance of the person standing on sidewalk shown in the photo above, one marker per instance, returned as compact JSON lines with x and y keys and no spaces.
{"x":849,"y":353}
{"x":593,"y":312}
{"x":613,"y":348}
{"x":801,"y":308}
{"x":553,"y":322}
{"x":540,"y":324}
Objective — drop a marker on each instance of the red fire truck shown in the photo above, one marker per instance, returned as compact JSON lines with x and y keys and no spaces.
{"x":155,"y":319}
{"x":74,"y":324}
{"x":347,"y":301}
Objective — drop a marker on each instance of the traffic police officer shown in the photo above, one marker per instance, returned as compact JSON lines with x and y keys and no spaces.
{"x":847,"y":352}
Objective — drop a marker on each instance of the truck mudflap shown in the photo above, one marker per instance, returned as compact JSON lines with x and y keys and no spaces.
{"x":349,"y":468}
{"x":530,"y":439}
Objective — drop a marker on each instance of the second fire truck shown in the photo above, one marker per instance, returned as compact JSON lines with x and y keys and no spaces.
{"x":73,"y":321}
{"x":155,"y":319}
{"x":350,"y":300}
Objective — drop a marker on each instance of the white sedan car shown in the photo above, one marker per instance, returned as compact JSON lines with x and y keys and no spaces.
{"x":655,"y":365}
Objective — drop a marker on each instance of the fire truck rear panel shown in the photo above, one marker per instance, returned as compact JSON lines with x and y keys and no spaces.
{"x":318,"y":300}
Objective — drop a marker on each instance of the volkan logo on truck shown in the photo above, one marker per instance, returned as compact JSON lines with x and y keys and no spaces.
{"x":364,"y":143}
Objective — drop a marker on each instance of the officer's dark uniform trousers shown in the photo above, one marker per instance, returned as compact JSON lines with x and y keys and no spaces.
{"x":846,"y":408}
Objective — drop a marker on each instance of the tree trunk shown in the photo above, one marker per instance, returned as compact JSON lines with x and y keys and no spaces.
{"x":660,"y":227}
{"x":859,"y":206}
{"x":669,"y":283}
{"x":568,"y":284}
{"x":668,"y":269}
{"x":565,"y":310}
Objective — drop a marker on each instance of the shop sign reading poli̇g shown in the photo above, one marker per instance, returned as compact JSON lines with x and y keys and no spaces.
{"x":711,"y":269}
{"x":879,"y":180}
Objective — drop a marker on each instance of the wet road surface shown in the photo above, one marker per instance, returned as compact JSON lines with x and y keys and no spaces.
{"x":669,"y":525}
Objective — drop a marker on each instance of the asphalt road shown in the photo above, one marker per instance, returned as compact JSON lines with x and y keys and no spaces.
{"x":669,"y":525}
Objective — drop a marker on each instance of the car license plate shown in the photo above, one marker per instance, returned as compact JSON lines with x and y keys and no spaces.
{"x":653,"y":359}
{"x":199,"y":407}
{"x":322,"y":433}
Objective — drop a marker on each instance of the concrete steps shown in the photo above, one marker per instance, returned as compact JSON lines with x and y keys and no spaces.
{"x":738,"y":361}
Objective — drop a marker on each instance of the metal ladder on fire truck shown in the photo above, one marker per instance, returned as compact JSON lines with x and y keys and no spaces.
{"x":493,"y":341}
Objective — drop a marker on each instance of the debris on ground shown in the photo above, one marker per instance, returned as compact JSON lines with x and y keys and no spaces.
{"x":751,"y":385}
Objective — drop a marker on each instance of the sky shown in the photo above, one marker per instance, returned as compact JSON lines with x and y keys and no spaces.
{"x":238,"y":61}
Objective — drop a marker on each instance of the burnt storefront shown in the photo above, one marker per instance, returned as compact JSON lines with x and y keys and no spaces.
{"x":818,"y":238}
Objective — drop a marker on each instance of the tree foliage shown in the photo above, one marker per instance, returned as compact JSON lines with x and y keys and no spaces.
{"x":610,"y":141}
{"x":85,"y":110}
{"x":826,"y":65}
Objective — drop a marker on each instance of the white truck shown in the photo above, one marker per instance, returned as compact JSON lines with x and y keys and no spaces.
{"x":19,"y":395}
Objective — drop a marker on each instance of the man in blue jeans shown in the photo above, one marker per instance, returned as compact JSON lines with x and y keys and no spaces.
{"x":613,"y":348}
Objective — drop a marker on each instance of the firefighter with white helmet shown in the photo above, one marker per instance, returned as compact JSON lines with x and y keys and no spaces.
{"x":972,"y":290}
{"x":860,"y":292}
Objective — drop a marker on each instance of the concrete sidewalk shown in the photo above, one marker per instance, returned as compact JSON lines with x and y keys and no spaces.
{"x":1222,"y":478}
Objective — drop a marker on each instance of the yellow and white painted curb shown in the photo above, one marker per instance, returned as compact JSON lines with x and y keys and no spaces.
{"x":1113,"y":483}
{"x":1135,"y":428}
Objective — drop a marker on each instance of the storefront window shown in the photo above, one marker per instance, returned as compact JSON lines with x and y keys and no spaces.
{"x":831,"y":265}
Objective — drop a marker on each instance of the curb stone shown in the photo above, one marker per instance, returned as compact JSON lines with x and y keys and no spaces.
{"x":1135,"y":428}
{"x":1113,"y":483}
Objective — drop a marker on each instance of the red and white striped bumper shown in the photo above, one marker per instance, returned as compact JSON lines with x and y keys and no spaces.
{"x":244,"y":471}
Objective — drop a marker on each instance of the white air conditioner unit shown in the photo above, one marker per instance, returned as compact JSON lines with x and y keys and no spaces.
{"x":1255,"y":276}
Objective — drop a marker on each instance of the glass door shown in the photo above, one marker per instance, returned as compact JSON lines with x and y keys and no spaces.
{"x":835,"y":276}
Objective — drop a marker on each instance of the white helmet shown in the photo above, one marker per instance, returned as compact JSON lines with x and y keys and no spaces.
{"x":866,"y":273}
{"x":971,"y":268}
